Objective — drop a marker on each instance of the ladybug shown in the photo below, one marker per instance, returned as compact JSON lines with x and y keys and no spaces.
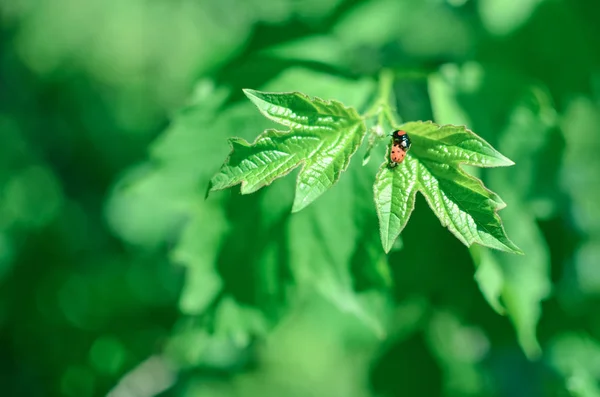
{"x":400,"y":145}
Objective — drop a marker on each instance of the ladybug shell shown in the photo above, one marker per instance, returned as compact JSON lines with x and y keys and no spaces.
{"x":397,"y":134}
{"x":398,"y":154}
{"x":401,"y":137}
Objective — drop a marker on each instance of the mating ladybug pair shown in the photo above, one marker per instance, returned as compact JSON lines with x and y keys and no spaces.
{"x":400,"y":145}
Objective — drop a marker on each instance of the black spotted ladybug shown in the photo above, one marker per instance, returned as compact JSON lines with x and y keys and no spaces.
{"x":400,"y":145}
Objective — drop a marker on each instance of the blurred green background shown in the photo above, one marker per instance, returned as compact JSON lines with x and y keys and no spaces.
{"x":117,"y":277}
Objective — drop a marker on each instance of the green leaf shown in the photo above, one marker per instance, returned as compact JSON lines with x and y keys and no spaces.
{"x":198,"y":251}
{"x":323,"y":243}
{"x":395,"y":192}
{"x":575,"y":357}
{"x":386,"y":118}
{"x":512,"y":285}
{"x":459,"y":200}
{"x":521,"y":283}
{"x":322,"y":136}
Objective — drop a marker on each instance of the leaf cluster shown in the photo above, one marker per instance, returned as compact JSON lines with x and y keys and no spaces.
{"x":322,"y":137}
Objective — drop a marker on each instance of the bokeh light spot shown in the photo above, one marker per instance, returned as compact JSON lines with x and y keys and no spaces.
{"x":32,"y":197}
{"x":107,"y":355}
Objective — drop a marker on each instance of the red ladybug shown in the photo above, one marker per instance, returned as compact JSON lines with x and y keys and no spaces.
{"x":397,"y":155}
{"x":400,"y":145}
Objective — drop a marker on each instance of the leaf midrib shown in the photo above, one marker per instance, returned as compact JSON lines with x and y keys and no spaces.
{"x":458,"y":202}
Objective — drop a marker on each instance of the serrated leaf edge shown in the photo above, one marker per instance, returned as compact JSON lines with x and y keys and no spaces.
{"x":498,"y":206}
{"x":386,"y":249}
{"x":296,"y":208}
{"x":302,"y":162}
{"x":506,"y":161}
{"x":243,"y":183}
{"x":250,"y":93}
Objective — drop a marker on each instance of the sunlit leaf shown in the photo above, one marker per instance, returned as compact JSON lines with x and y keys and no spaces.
{"x":459,"y":200}
{"x":322,"y":136}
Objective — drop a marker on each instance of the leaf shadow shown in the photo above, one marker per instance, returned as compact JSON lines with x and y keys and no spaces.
{"x":247,"y":276}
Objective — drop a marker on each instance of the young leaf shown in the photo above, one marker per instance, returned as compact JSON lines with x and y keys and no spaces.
{"x":322,"y":136}
{"x":432,"y":166}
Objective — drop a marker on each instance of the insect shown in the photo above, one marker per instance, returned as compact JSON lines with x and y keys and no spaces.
{"x":400,"y":145}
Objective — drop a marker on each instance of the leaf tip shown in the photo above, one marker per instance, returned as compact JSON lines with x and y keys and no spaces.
{"x":366,"y":159}
{"x":298,"y":206}
{"x":512,"y":248}
{"x":386,"y":242}
{"x":506,"y":162}
{"x":214,"y":185}
{"x":258,"y":98}
{"x":249,"y":92}
{"x":235,"y":141}
{"x":386,"y":248}
{"x":208,"y":190}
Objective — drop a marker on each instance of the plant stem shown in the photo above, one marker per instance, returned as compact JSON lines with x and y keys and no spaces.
{"x":382,"y":107}
{"x":386,"y":81}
